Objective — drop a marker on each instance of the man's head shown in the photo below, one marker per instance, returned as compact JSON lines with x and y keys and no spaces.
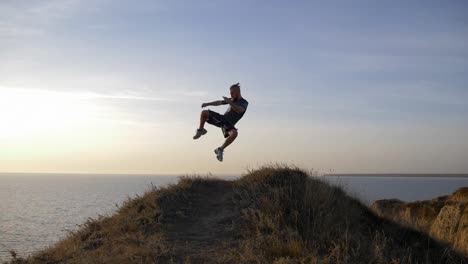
{"x":235,"y":91}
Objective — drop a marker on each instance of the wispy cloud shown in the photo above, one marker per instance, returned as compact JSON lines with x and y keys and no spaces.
{"x":32,"y":18}
{"x":85,"y":95}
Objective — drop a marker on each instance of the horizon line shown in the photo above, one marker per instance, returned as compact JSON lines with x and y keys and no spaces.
{"x":209,"y":174}
{"x":123,"y":174}
{"x":414,"y":174}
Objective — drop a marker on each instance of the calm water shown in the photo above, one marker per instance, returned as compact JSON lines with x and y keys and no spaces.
{"x":405,"y":188}
{"x":37,"y":210}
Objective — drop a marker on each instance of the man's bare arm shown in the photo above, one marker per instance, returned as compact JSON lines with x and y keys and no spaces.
{"x":214,"y":103}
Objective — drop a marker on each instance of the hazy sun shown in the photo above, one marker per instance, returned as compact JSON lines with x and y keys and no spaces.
{"x":28,"y":112}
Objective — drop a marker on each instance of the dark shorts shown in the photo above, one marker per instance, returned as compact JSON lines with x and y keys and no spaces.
{"x":218,"y":120}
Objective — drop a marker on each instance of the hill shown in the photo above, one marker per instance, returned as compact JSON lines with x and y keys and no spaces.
{"x":273,"y":214}
{"x":445,"y":217}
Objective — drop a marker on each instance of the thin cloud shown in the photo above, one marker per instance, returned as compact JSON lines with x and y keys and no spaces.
{"x":86,"y":95}
{"x":18,"y":19}
{"x":125,"y":97}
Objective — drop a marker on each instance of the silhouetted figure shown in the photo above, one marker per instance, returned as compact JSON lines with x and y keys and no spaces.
{"x":237,"y":108}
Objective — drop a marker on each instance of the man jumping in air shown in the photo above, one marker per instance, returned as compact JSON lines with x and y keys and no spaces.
{"x":237,"y":108}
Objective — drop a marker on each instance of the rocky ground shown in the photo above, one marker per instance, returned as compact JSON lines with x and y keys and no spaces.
{"x":444,"y":218}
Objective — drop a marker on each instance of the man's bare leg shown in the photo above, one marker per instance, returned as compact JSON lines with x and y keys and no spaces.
{"x":203,"y":117}
{"x":219,"y":151}
{"x":201,"y":131}
{"x":230,"y":139}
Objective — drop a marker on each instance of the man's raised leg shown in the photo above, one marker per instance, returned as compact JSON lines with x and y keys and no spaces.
{"x":201,"y":131}
{"x":219,"y":151}
{"x":230,"y":139}
{"x":203,"y":117}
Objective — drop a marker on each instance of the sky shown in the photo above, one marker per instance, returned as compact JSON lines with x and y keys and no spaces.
{"x":100,"y":86}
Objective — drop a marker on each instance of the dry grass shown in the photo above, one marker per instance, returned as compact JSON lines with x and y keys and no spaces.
{"x":274,"y":214}
{"x":300,"y":219}
{"x":461,"y":195}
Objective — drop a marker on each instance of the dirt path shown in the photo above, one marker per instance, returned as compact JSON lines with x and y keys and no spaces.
{"x":207,"y":226}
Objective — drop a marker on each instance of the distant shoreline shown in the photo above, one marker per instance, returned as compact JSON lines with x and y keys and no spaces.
{"x":421,"y":175}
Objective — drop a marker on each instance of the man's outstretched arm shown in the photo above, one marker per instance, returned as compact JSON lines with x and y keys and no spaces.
{"x":214,"y":103}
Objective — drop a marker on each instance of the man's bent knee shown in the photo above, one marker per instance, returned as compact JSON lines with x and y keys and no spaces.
{"x":233,"y":133}
{"x":205,"y":113}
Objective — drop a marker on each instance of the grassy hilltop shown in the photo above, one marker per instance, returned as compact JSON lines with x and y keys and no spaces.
{"x":273,"y":214}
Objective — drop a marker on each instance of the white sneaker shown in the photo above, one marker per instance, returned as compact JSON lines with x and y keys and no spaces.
{"x":199,"y":133}
{"x":219,"y":153}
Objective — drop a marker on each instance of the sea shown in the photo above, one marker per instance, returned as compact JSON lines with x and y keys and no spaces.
{"x":37,"y":210}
